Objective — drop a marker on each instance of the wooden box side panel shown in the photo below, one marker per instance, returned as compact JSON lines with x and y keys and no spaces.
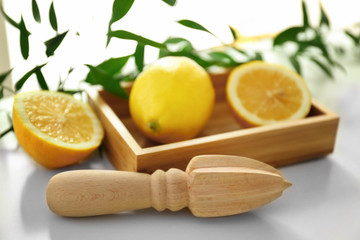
{"x":118,"y":152}
{"x":277,"y":146}
{"x":119,"y":105}
{"x":117,"y":148}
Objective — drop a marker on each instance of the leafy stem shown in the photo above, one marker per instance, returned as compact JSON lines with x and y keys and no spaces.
{"x":299,"y":35}
{"x":10,"y":129}
{"x":197,"y":26}
{"x":111,"y":72}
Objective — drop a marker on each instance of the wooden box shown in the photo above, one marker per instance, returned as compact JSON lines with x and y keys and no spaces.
{"x":277,"y":145}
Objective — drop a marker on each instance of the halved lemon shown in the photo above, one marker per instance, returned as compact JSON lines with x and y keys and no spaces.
{"x":263,"y":93}
{"x":55,"y":128}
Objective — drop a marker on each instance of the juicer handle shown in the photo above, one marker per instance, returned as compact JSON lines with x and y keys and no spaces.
{"x":96,"y":192}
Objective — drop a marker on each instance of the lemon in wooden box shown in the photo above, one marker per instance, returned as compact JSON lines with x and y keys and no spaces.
{"x":172,"y":99}
{"x":278,"y":144}
{"x":263,"y":93}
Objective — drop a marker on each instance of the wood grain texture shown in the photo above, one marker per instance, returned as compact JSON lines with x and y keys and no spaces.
{"x":278,"y":145}
{"x":212,"y":186}
{"x":97,"y":192}
{"x":118,"y":142}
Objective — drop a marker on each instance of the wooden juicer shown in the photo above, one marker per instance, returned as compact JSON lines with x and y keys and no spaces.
{"x":211,"y":186}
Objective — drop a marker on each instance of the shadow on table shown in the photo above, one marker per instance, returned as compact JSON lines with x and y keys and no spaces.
{"x":315,"y":183}
{"x":150,"y":224}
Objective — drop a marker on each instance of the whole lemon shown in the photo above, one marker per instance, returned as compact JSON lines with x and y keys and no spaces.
{"x":172,"y":99}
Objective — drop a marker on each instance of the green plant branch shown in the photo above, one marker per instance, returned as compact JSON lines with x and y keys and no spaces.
{"x":10,"y":129}
{"x":317,"y":41}
{"x":110,"y":73}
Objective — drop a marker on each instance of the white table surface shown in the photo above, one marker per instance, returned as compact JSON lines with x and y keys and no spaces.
{"x":323,"y":203}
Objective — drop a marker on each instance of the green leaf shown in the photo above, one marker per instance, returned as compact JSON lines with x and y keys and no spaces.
{"x":295,"y":63}
{"x":175,"y":44}
{"x":233,"y":33}
{"x":328,"y":58}
{"x":339,"y":50}
{"x":324,"y":20}
{"x":240,"y":51}
{"x":250,"y":56}
{"x":122,"y":34}
{"x":111,"y":67}
{"x":107,"y":81}
{"x":194,"y":25}
{"x":287,"y":35}
{"x":352,"y":36}
{"x":4,"y":75}
{"x":325,"y":68}
{"x":10,"y":129}
{"x":222,"y":59}
{"x":19,"y":84}
{"x":35,"y":11}
{"x":178,"y":45}
{"x":1,"y":92}
{"x":40,"y":78}
{"x":53,"y":43}
{"x":10,"y":20}
{"x":258,"y":56}
{"x":342,"y":68}
{"x":193,"y":55}
{"x":139,"y":56}
{"x":72,"y":92}
{"x":108,"y":38}
{"x":70,"y":70}
{"x":305,"y":15}
{"x":129,"y":77}
{"x":200,"y":60}
{"x":355,"y":39}
{"x":120,"y":9}
{"x":24,"y":39}
{"x":52,"y":17}
{"x":170,"y":2}
{"x":319,"y":43}
{"x":22,"y":81}
{"x":303,"y":45}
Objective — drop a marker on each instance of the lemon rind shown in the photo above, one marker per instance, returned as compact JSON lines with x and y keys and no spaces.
{"x":97,"y":136}
{"x":252,"y":118}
